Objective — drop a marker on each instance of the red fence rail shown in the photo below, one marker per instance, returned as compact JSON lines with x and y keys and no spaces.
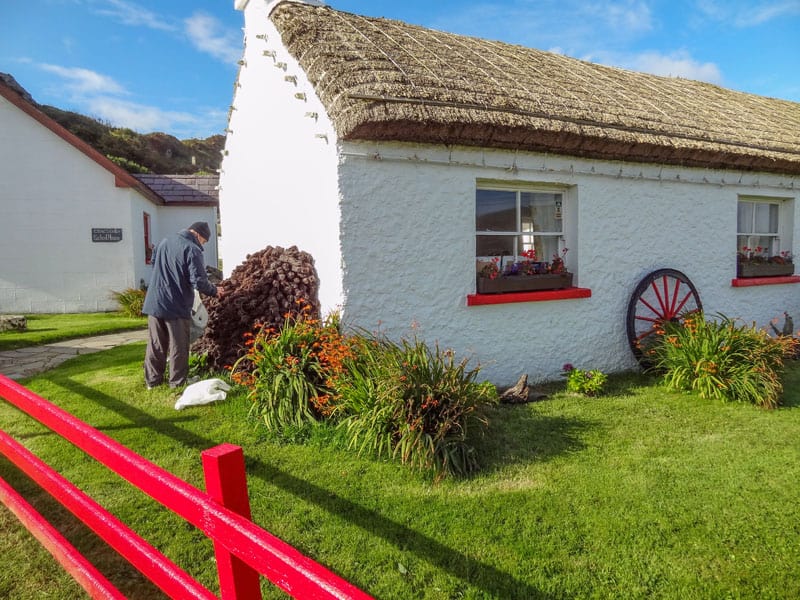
{"x":243,"y":550}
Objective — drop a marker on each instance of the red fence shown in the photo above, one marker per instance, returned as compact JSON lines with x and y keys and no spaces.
{"x":243,"y":550}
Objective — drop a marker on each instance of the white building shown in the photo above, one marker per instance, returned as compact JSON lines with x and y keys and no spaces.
{"x":398,"y":156}
{"x":73,"y":225}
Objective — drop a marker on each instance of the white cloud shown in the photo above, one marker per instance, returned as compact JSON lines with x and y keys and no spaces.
{"x":205,"y":32}
{"x":132,"y":14}
{"x":83,"y":81}
{"x":208,"y":35}
{"x":138,"y":117}
{"x":767,"y":12}
{"x":569,"y":24}
{"x":627,"y":17}
{"x":739,"y":13}
{"x":101,"y":97}
{"x":676,"y":64}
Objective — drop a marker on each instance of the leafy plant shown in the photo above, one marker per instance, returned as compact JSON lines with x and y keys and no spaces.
{"x":198,"y":366}
{"x":722,"y":359}
{"x":291,"y":373}
{"x":416,"y":404}
{"x":130,"y":301}
{"x":490,"y":269}
{"x":391,"y":400}
{"x":589,"y":383}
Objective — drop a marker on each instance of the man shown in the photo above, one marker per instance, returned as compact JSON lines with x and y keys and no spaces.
{"x":178,"y":270}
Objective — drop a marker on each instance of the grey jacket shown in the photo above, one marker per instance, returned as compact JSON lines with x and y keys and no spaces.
{"x":178,"y":269}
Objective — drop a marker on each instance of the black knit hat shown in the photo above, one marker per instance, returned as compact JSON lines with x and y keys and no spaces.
{"x":201,"y":227}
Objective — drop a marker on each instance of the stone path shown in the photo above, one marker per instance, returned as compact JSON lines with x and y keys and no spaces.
{"x":16,"y":364}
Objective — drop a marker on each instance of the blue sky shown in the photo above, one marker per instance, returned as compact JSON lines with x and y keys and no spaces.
{"x":170,"y":65}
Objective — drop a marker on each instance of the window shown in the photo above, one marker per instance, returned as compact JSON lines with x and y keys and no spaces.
{"x":758,"y":227}
{"x":510,"y":222}
{"x":148,"y":246}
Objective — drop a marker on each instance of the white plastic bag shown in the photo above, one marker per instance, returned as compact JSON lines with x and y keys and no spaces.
{"x":199,"y":312}
{"x":199,"y":318}
{"x":202,"y":392}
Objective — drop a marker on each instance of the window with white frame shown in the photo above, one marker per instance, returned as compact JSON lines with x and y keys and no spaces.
{"x":763,"y":226}
{"x":510,"y":221}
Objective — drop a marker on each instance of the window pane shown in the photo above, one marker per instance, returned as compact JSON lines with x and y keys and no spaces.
{"x":764,"y":245}
{"x":546,"y":246}
{"x":488,"y":246}
{"x":742,"y":242}
{"x":538,"y":211}
{"x":766,"y":218}
{"x":495,"y":210}
{"x":744,"y":217}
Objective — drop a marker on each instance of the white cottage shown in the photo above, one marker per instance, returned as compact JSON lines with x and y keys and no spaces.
{"x":404,"y":159}
{"x":73,"y":225}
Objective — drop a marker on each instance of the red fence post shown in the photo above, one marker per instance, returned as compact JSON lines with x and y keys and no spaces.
{"x":226,"y":482}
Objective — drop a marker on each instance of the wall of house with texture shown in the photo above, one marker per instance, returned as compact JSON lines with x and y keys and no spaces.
{"x":408,"y":251}
{"x":392,"y":227}
{"x":53,"y":195}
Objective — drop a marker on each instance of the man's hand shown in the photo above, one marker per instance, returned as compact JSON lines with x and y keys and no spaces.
{"x":220,"y":291}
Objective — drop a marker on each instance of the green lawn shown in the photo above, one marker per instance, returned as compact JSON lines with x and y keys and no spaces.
{"x":641,"y":493}
{"x":49,"y":328}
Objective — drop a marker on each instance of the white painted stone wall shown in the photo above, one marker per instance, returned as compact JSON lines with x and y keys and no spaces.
{"x":278,"y":181}
{"x":51,"y":196}
{"x":408,"y":222}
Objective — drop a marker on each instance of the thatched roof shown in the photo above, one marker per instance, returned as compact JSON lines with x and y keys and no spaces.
{"x":381,"y":79}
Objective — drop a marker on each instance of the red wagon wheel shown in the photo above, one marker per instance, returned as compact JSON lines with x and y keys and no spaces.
{"x":663,"y":295}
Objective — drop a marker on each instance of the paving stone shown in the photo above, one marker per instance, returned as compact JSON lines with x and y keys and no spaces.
{"x":24,"y":362}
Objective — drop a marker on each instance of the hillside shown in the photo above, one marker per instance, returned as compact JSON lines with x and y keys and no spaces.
{"x":143,"y":153}
{"x":158,"y":153}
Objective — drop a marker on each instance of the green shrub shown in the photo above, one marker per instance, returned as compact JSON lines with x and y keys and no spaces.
{"x":198,"y":366}
{"x":127,"y":164}
{"x":416,"y":404}
{"x":290,"y":374}
{"x":130,"y":301}
{"x":588,"y":383}
{"x":723,"y":360}
{"x":390,"y":400}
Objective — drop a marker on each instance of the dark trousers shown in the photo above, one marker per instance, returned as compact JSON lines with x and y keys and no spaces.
{"x":167,"y":338}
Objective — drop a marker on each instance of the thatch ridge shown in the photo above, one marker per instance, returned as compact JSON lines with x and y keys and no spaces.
{"x":382,"y":79}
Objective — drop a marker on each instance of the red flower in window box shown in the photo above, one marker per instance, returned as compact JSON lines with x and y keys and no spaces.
{"x":524,"y":275}
{"x":755,"y":262}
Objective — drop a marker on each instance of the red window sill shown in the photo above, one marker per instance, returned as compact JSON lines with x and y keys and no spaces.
{"x":751,"y":281}
{"x":565,"y":294}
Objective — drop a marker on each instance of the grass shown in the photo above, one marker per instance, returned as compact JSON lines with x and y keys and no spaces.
{"x":49,"y":328}
{"x":640,"y":493}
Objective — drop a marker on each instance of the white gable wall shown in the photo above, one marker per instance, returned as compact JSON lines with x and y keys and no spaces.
{"x":278,"y":182}
{"x":408,"y":226}
{"x":51,"y":196}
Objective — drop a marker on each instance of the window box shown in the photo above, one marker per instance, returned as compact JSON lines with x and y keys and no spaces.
{"x":524,"y":283}
{"x":764,"y":269}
